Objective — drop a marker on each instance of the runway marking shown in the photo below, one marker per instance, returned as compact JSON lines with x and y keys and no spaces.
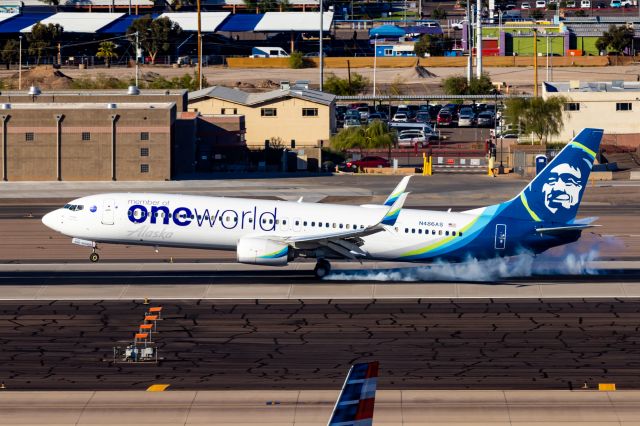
{"x":157,"y":388}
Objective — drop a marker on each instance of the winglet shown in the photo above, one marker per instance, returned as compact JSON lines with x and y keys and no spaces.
{"x":394,"y":211}
{"x":357,"y":397}
{"x":402,"y":186}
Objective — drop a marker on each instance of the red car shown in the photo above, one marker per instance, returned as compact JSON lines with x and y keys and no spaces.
{"x":372,"y":161}
{"x":444,"y":118}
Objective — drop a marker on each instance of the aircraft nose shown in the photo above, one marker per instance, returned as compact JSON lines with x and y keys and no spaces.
{"x":51,"y":220}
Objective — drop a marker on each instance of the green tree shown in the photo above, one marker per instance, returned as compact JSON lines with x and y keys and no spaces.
{"x":345,"y":87}
{"x":10,"y":52}
{"x":458,"y":85}
{"x":154,"y":35}
{"x":42,"y":37}
{"x":284,"y":5}
{"x":439,"y":13}
{"x":433,"y":45}
{"x":373,"y":136}
{"x":296,"y":60}
{"x":536,"y":14}
{"x":616,"y":40}
{"x":542,"y":118}
{"x":107,"y":51}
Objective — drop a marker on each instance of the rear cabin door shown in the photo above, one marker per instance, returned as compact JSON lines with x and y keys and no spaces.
{"x":501,"y":237}
{"x":107,"y":212}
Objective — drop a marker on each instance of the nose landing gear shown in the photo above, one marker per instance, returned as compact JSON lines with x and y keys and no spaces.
{"x":94,"y":257}
{"x":322,"y":269}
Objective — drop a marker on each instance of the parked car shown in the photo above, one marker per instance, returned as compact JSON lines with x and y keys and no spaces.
{"x":585,"y":4}
{"x":370,"y":161}
{"x":467,"y":118}
{"x":571,"y":4}
{"x":444,"y":118}
{"x":364,"y":113}
{"x":457,"y":25}
{"x":410,"y":138}
{"x":601,"y":5}
{"x":423,"y":117}
{"x":626,"y":3}
{"x":400,"y":117}
{"x":486,"y":119}
{"x":352,"y":114}
{"x":615,"y":4}
{"x":377,"y":116}
{"x":351,"y":122}
{"x":541,"y":4}
{"x":525,"y":5}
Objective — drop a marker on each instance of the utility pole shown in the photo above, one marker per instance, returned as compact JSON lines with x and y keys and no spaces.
{"x":321,"y":53}
{"x":479,"y":39}
{"x":136,"y":55}
{"x":375,"y":60}
{"x":199,"y":47}
{"x":547,"y":34}
{"x":535,"y":62}
{"x":20,"y":65}
{"x":469,"y":36}
{"x":59,"y":54}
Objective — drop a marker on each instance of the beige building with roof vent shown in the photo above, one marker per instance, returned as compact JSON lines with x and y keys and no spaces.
{"x":613,"y":106}
{"x":299,"y":117}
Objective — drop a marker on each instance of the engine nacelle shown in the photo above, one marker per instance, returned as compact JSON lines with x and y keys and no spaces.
{"x":261,"y":251}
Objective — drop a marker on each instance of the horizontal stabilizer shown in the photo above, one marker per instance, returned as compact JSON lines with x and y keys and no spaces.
{"x":567,"y":228}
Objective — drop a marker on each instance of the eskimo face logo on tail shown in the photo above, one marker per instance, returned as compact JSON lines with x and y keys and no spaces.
{"x":562,"y":188}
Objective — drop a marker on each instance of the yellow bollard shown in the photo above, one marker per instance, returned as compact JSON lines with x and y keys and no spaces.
{"x":490,"y":171}
{"x":424,"y":164}
{"x":430,"y":165}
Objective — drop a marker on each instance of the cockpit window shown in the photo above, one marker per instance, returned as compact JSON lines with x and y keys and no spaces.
{"x":73,"y":207}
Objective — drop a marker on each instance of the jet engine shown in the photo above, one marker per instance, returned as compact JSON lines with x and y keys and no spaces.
{"x":261,"y":251}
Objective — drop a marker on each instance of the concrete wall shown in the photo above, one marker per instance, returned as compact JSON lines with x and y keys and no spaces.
{"x":86,"y":159}
{"x":289,"y":123}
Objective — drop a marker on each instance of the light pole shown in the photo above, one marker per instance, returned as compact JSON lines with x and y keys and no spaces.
{"x":321,"y":53}
{"x":136,"y":55}
{"x":20,"y":65}
{"x":547,"y":34}
{"x":479,"y":39}
{"x":375,"y":63}
{"x":200,"y":45}
{"x":469,"y":36}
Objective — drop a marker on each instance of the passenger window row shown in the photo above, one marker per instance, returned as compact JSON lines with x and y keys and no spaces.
{"x":433,"y":232}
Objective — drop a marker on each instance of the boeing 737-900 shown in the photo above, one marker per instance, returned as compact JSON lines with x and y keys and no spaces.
{"x":266,"y":232}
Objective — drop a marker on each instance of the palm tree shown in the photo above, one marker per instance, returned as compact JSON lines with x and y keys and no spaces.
{"x":107,"y":50}
{"x":372,"y":136}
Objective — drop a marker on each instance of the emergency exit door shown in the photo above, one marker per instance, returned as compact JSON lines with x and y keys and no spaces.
{"x":107,"y":212}
{"x":501,"y":237}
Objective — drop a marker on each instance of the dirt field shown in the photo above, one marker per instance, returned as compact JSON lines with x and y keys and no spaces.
{"x":519,"y":77}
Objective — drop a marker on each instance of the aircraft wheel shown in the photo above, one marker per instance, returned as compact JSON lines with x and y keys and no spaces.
{"x":93,"y":257}
{"x":322,"y":268}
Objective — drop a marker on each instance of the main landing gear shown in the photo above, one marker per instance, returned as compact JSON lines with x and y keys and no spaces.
{"x":94,"y":257}
{"x":322,"y":269}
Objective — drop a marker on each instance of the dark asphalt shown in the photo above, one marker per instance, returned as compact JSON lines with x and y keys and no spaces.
{"x":263,"y":276}
{"x":297,"y":345}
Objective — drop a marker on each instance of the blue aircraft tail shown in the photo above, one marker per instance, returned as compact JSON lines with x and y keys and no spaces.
{"x":554,"y":195}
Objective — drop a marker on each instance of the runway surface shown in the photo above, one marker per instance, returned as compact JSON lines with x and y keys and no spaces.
{"x":298,"y":344}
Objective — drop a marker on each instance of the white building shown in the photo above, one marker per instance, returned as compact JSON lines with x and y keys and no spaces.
{"x":613,"y":106}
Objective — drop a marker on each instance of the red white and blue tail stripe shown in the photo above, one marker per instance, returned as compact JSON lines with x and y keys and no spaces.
{"x":355,"y":403}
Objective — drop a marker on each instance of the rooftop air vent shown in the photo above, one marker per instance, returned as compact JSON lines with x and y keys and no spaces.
{"x":112,"y":106}
{"x":133,"y":90}
{"x":34,"y":91}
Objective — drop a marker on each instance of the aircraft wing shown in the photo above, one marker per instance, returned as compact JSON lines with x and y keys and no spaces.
{"x":354,"y":406}
{"x":345,"y":242}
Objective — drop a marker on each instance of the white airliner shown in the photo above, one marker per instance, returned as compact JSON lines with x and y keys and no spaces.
{"x":274,"y":233}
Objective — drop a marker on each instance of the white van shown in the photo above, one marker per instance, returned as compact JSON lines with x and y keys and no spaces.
{"x":541,"y":4}
{"x":585,"y":4}
{"x":268,"y":52}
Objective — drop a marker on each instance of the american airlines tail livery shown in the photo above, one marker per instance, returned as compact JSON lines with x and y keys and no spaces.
{"x":265,"y":232}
